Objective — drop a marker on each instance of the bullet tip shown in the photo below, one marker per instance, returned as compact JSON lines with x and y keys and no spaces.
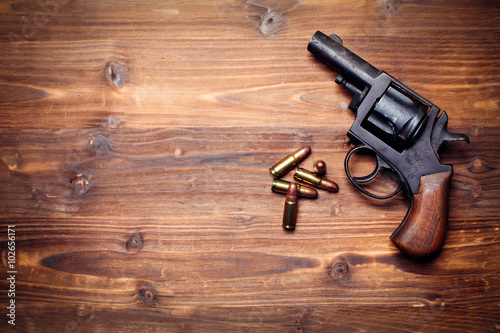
{"x":303,"y":152}
{"x":319,"y":167}
{"x":292,"y":193}
{"x":310,"y":193}
{"x":331,"y":186}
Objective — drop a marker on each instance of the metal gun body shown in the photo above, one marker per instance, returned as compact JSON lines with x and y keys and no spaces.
{"x":402,"y":128}
{"x":400,"y":137}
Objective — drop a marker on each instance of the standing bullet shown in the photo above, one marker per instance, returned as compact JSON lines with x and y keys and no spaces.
{"x":286,"y":164}
{"x":290,"y":211}
{"x":281,"y":186}
{"x":319,"y":167}
{"x":310,"y":178}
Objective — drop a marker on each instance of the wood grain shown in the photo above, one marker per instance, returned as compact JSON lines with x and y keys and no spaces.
{"x":423,"y":230}
{"x":135,"y":146}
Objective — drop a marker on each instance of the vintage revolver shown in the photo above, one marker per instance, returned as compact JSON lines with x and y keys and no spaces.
{"x":405,"y":132}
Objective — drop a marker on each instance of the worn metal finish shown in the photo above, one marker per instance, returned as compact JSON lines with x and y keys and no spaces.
{"x":404,"y":131}
{"x":399,"y":125}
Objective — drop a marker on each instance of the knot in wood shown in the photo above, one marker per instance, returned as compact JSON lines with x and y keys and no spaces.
{"x":339,"y":270}
{"x":100,"y":144}
{"x":178,"y":153}
{"x":135,"y":242}
{"x":147,"y":295}
{"x":85,"y":311}
{"x":116,"y":73}
{"x":269,"y":23}
{"x":111,"y":122}
{"x":479,"y":166}
{"x":12,"y":159}
{"x":80,"y":184}
{"x":391,"y":7}
{"x":476,"y":191}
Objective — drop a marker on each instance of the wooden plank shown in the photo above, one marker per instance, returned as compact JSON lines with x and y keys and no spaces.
{"x":70,"y":82}
{"x":156,"y":85}
{"x":84,"y":171}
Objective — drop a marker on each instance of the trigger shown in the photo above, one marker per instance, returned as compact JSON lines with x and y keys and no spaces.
{"x":381,"y":163}
{"x":367,"y":178}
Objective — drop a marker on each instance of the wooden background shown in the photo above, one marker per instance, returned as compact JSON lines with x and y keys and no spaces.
{"x":135,"y":142}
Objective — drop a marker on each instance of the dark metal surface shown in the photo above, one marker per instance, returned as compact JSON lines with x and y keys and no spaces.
{"x":399,"y":125}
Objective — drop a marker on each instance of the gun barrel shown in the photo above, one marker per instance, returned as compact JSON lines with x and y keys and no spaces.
{"x":348,"y":64}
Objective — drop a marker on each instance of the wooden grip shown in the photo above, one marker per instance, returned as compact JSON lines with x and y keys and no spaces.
{"x":422,"y":232}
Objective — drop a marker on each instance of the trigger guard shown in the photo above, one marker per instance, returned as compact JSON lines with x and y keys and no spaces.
{"x":366,"y":179}
{"x":381,"y":162}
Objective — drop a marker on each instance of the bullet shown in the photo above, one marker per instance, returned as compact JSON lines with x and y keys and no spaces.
{"x":287,"y":163}
{"x":319,"y":167}
{"x":281,"y":186}
{"x":310,"y":178}
{"x":290,"y":211}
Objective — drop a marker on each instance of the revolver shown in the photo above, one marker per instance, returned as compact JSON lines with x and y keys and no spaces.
{"x":404,"y":131}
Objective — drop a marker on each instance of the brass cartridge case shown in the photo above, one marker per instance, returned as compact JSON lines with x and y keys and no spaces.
{"x":290,"y":211}
{"x":310,"y":178}
{"x":290,"y":161}
{"x":281,"y":186}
